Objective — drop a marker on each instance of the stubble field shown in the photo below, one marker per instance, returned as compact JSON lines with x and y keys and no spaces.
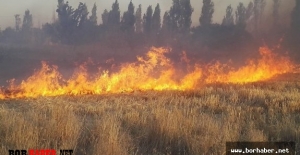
{"x":169,"y":122}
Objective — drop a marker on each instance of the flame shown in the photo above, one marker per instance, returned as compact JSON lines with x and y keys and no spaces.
{"x":268,"y":66}
{"x":153,"y":72}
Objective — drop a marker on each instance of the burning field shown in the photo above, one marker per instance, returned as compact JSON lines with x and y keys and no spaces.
{"x":155,"y":72}
{"x":152,"y":107}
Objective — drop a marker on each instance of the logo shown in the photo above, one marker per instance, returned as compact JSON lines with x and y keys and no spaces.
{"x":40,"y":152}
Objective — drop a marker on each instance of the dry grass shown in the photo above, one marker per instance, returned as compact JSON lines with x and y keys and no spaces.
{"x":194,"y":122}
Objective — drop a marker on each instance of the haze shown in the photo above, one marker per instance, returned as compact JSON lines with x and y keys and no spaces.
{"x":42,"y":10}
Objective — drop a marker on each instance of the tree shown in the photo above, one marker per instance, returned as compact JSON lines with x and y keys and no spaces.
{"x":258,"y":9}
{"x":241,"y":18}
{"x":72,"y":23}
{"x":17,"y":22}
{"x":249,"y":11}
{"x":228,"y":18}
{"x":186,"y":18}
{"x":147,"y":20}
{"x":138,"y":20}
{"x":93,"y":17}
{"x":105,"y":16}
{"x":166,"y":26}
{"x":180,"y":15}
{"x":114,"y":16}
{"x":66,"y":24}
{"x":156,"y":21}
{"x":207,"y":13}
{"x":250,"y":17}
{"x":80,"y":15}
{"x":128,"y":19}
{"x":174,"y":14}
{"x":65,"y":13}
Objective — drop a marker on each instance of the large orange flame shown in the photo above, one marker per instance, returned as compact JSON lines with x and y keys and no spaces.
{"x":153,"y":72}
{"x":269,"y":65}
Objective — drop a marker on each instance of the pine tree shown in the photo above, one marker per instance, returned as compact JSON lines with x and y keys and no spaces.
{"x":207,"y":13}
{"x":156,"y":21}
{"x":93,"y":17}
{"x":228,"y":18}
{"x":138,"y":20}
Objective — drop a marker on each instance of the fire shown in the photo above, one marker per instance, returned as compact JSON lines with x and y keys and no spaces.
{"x":153,"y":72}
{"x":268,"y":66}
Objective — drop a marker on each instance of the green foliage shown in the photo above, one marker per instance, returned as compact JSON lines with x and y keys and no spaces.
{"x":207,"y":13}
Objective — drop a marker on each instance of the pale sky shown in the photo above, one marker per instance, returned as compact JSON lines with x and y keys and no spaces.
{"x":42,"y":10}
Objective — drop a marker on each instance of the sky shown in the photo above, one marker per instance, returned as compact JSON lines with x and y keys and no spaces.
{"x":42,"y":10}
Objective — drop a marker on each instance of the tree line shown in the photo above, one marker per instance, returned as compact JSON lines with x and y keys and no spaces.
{"x":76,"y":25}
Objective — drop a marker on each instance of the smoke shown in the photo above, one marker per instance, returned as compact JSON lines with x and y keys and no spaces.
{"x":227,"y":44}
{"x":42,"y":10}
{"x":284,"y":18}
